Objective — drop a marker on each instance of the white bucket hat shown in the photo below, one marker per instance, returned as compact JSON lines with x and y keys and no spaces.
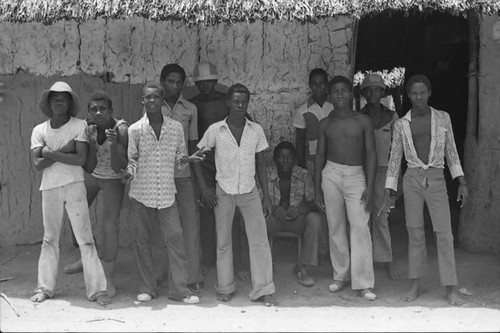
{"x":204,"y":71}
{"x":59,"y":86}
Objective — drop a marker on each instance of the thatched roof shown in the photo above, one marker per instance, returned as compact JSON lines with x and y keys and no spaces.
{"x":214,"y":11}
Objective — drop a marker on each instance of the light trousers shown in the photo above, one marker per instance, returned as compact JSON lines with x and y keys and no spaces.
{"x":73,"y":197}
{"x":428,"y":186}
{"x":261,"y":268}
{"x":381,"y":236}
{"x":190,"y":221}
{"x":343,"y":187}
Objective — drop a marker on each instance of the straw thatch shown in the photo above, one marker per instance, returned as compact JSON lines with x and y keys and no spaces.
{"x":214,"y":11}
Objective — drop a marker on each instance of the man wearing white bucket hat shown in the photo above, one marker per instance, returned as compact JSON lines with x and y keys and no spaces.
{"x":59,"y":148}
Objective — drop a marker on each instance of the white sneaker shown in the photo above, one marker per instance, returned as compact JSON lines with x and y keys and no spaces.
{"x":368,"y":295}
{"x":143,"y":297}
{"x":191,"y":299}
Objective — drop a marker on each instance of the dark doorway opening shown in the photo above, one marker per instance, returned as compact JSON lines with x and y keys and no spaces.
{"x":434,"y":44}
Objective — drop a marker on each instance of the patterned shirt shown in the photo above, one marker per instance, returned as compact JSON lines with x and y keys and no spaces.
{"x":235,"y":163}
{"x":308,"y":117}
{"x":442,"y":145}
{"x":103,"y":169}
{"x":186,"y":113}
{"x":301,"y":186}
{"x":152,"y":161}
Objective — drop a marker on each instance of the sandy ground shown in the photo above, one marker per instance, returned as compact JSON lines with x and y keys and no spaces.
{"x":300,"y":308}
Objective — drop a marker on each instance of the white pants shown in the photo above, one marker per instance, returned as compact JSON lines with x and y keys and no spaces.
{"x":74,"y":197}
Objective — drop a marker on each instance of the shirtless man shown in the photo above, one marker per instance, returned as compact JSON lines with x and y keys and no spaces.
{"x":425,"y":136}
{"x":346,"y":141}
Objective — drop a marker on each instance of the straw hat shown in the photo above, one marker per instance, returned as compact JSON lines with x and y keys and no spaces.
{"x":204,"y":71}
{"x":373,"y":80}
{"x":59,"y":86}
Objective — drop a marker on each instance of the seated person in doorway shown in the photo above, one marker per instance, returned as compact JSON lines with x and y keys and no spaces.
{"x":291,"y":191}
{"x":346,"y":147}
{"x":212,"y":107}
{"x":106,"y":158}
{"x":373,"y":89}
{"x":424,"y":136}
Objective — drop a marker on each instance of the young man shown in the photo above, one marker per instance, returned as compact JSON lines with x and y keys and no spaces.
{"x":307,"y":118}
{"x":239,"y":143}
{"x":59,"y":148}
{"x":373,"y":89}
{"x":176,"y":107}
{"x":291,"y":191}
{"x":425,"y":137}
{"x":212,"y":107}
{"x":156,"y":146}
{"x":347,"y":144}
{"x":106,"y":158}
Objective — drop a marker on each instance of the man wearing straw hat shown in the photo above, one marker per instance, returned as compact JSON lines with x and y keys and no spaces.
{"x":59,"y":148}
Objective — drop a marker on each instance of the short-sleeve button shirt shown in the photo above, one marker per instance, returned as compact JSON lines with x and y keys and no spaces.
{"x":308,"y":117}
{"x":186,"y":113}
{"x":152,"y":161}
{"x":235,"y":163}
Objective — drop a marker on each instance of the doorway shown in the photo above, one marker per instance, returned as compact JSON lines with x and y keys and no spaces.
{"x":434,"y":44}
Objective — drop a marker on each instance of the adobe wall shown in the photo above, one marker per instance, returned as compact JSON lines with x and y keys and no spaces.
{"x":272,"y":59}
{"x":480,"y":218}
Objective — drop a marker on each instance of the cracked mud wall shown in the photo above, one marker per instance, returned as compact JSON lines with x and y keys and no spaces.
{"x":119,"y":56}
{"x":480,"y":218}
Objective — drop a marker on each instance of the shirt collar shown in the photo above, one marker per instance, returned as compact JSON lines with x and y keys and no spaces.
{"x":407,"y":116}
{"x":311,"y":102}
{"x":273,"y":175}
{"x":247,"y":122}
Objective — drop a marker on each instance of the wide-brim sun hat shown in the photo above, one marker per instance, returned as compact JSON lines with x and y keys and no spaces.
{"x":204,"y":70}
{"x":373,"y":80}
{"x":59,"y":86}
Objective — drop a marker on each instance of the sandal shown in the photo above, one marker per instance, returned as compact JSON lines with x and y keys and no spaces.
{"x":337,"y":285}
{"x":368,"y":295}
{"x":303,"y":277}
{"x":224,"y":297}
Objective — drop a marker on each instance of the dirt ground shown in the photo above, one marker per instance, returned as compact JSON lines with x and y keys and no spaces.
{"x":300,"y":308}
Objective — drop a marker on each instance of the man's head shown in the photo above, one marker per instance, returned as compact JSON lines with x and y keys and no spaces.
{"x":419,"y":90}
{"x":205,"y":77}
{"x":59,"y":100}
{"x":340,"y":91}
{"x":285,"y":156}
{"x":238,"y":97}
{"x":172,"y":79}
{"x":373,"y":88}
{"x":152,"y":97}
{"x":100,"y":107}
{"x":318,"y":80}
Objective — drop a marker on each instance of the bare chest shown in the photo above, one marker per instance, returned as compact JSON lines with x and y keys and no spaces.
{"x":421,"y":136}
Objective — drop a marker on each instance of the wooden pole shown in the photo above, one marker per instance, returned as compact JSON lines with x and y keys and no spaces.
{"x":472,"y":130}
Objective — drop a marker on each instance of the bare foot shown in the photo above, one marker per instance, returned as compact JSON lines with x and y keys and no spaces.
{"x":102,"y":300}
{"x":111,"y":290}
{"x":39,"y":297}
{"x":391,"y":271}
{"x":453,"y":298}
{"x":244,"y":275}
{"x":413,"y":293}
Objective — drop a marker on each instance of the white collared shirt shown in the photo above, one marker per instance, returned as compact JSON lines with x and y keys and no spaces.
{"x":235,"y":164}
{"x":442,"y":145}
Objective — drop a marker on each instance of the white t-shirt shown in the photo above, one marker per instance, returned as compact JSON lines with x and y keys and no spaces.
{"x":59,"y":174}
